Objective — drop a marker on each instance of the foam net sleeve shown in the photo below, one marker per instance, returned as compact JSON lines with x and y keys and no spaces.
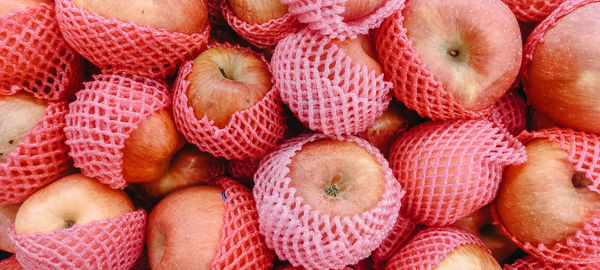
{"x":414,"y":84}
{"x":402,"y":231}
{"x":532,"y":263}
{"x":10,"y":264}
{"x":243,"y":170}
{"x":430,"y":246}
{"x":510,"y":112}
{"x":325,"y":17}
{"x":324,"y":89}
{"x":584,"y":245}
{"x":312,"y":239}
{"x":38,"y":160}
{"x":261,"y":35}
{"x":241,"y":246}
{"x":215,"y":15}
{"x":532,"y":10}
{"x":108,"y":244}
{"x":250,"y":132}
{"x":116,"y":46}
{"x":103,"y":116}
{"x":35,"y":57}
{"x":450,"y":169}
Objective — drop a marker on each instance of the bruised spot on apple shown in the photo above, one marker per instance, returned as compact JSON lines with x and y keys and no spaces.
{"x":183,"y":16}
{"x":71,"y":200}
{"x":472,"y":47}
{"x":468,"y":257}
{"x":258,"y":11}
{"x":545,"y":200}
{"x":357,"y":9}
{"x":225,"y":80}
{"x":8,"y":6}
{"x":18,"y":115}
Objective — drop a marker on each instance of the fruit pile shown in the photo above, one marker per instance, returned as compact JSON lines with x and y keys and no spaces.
{"x":300,"y":134}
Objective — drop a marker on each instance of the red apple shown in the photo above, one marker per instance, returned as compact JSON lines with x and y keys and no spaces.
{"x":184,"y":16}
{"x":7,"y":217}
{"x":18,"y":115}
{"x":8,"y":6}
{"x":356,"y":9}
{"x":225,"y":80}
{"x":563,"y":79}
{"x":362,"y":52}
{"x":70,"y":201}
{"x":468,"y":257}
{"x":258,"y":11}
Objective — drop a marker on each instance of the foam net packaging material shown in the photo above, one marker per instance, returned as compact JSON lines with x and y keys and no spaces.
{"x":584,"y":245}
{"x":402,"y":231}
{"x":263,"y":35}
{"x":312,"y":239}
{"x":324,"y":89}
{"x":241,"y":246}
{"x":108,"y":244}
{"x":38,"y":160}
{"x":243,"y":169}
{"x":250,"y":132}
{"x":532,"y":10}
{"x":325,"y":17}
{"x":430,"y":246}
{"x":215,"y":15}
{"x":34,"y":56}
{"x":450,"y":169}
{"x":532,"y":263}
{"x":116,"y":46}
{"x":103,"y":116}
{"x":510,"y":112}
{"x":10,"y":264}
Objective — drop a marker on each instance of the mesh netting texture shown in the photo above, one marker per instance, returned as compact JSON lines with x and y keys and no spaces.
{"x":402,"y":231}
{"x":584,"y":245}
{"x":261,"y":35}
{"x":10,"y":264}
{"x":35,"y":57}
{"x":532,"y":10}
{"x":215,"y":16}
{"x":430,"y":246}
{"x":324,"y":89}
{"x":243,"y":169}
{"x":450,"y":169}
{"x":539,"y":121}
{"x":510,"y":112}
{"x":116,"y":46}
{"x":309,"y":238}
{"x":250,"y":132}
{"x":241,"y":246}
{"x":108,"y":244}
{"x":532,"y":263}
{"x":38,"y":160}
{"x":105,"y":113}
{"x":325,"y":17}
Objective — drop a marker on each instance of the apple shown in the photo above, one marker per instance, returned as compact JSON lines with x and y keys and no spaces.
{"x":468,"y":257}
{"x":71,"y":200}
{"x":538,"y":121}
{"x":356,"y":9}
{"x":362,"y":52}
{"x":18,"y":115}
{"x":258,"y":11}
{"x":545,"y":200}
{"x":532,"y":10}
{"x":562,"y":80}
{"x":183,"y":16}
{"x":7,"y":217}
{"x":8,"y":6}
{"x":225,"y":80}
{"x":184,"y":229}
{"x":533,"y":263}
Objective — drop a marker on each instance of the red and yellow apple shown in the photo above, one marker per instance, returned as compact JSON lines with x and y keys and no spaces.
{"x":8,"y":6}
{"x":362,"y":52}
{"x":468,"y":257}
{"x":356,"y":9}
{"x":258,"y":11}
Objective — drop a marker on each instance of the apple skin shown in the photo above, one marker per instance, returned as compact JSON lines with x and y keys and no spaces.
{"x":563,"y":79}
{"x":71,"y":200}
{"x":8,"y":213}
{"x":545,"y":200}
{"x":183,"y":16}
{"x":468,"y":257}
{"x":184,"y":229}
{"x":362,"y":52}
{"x":18,"y":115}
{"x":356,"y":9}
{"x":8,"y":6}
{"x":472,"y":47}
{"x":258,"y":11}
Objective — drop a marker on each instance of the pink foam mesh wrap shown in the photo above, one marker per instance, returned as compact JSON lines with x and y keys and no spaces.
{"x":307,"y":237}
{"x":39,"y":159}
{"x":414,"y":84}
{"x":430,"y":246}
{"x":510,"y":112}
{"x":324,"y":17}
{"x":243,"y":170}
{"x":215,"y":16}
{"x":10,"y":264}
{"x":250,"y":132}
{"x":402,"y":231}
{"x":35,"y":57}
{"x":540,"y":121}
{"x":116,"y":46}
{"x":261,"y":35}
{"x":241,"y":246}
{"x":342,"y":99}
{"x":450,"y":169}
{"x":532,"y":10}
{"x":584,"y":245}
{"x":105,"y":113}
{"x":532,"y":263}
{"x":142,"y":262}
{"x":108,"y":244}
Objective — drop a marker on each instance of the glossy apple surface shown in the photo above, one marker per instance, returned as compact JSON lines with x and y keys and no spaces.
{"x":356,"y":9}
{"x":362,"y":52}
{"x":7,"y":217}
{"x":8,"y":6}
{"x":258,"y":11}
{"x":468,"y":257}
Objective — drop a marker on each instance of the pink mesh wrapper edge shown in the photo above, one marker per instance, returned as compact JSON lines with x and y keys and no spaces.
{"x":105,"y":113}
{"x":261,"y":35}
{"x":584,"y":245}
{"x":10,"y":264}
{"x":324,"y":17}
{"x":532,"y":263}
{"x":402,"y":231}
{"x":35,"y":57}
{"x":249,"y":133}
{"x":449,"y":169}
{"x":243,"y":170}
{"x":532,"y":10}
{"x":309,"y":238}
{"x":342,"y":99}
{"x":430,"y":246}
{"x":40,"y":159}
{"x":510,"y":112}
{"x":116,"y":46}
